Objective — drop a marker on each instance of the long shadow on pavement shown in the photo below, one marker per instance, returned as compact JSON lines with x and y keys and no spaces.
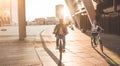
{"x":107,"y":58}
{"x":111,"y":42}
{"x":57,"y":61}
{"x":108,"y":42}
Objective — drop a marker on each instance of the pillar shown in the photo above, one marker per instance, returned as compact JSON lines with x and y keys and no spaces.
{"x":21,"y":19}
{"x":115,"y":5}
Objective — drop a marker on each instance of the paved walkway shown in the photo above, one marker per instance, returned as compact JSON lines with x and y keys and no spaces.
{"x":38,"y":49}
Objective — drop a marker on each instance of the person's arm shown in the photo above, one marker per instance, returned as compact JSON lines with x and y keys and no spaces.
{"x":66,"y":31}
{"x":100,"y":29}
{"x":55,"y":30}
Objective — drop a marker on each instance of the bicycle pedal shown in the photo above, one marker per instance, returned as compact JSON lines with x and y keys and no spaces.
{"x":63,"y":50}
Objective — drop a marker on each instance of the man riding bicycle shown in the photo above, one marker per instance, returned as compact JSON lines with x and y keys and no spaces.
{"x":60,"y":32}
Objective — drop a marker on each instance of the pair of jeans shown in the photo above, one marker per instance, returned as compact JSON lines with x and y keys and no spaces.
{"x":58,"y":38}
{"x":94,"y":35}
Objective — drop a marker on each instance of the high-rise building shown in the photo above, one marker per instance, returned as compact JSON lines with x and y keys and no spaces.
{"x":59,"y":9}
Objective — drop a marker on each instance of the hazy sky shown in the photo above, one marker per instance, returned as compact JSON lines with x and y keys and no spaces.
{"x":41,"y":8}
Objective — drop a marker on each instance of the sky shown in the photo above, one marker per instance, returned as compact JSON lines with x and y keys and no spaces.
{"x":41,"y":8}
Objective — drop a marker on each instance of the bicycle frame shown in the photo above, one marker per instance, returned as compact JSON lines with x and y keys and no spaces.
{"x":97,"y":40}
{"x":60,"y":50}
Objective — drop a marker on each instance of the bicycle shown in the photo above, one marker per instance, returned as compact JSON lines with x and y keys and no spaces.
{"x":61,"y":50}
{"x":96,"y":39}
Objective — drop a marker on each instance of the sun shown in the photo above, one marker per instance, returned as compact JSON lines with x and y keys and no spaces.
{"x":66,"y":13}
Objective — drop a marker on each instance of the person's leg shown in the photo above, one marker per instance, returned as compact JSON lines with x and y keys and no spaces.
{"x":99,"y":39}
{"x":64,"y":42}
{"x":57,"y":42}
{"x":94,"y":38}
{"x":101,"y":44}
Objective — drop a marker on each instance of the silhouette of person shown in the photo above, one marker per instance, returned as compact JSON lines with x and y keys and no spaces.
{"x":60,"y":32}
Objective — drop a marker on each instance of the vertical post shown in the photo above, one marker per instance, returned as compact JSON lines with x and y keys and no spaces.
{"x":77,"y":21}
{"x":10,"y":11}
{"x":21,"y":19}
{"x":115,"y":5}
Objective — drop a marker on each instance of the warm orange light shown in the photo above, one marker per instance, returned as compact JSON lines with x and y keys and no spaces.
{"x":65,"y":13}
{"x":8,"y":1}
{"x":5,"y":7}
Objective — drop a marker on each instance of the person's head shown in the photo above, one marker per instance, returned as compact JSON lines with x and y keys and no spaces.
{"x":61,"y":21}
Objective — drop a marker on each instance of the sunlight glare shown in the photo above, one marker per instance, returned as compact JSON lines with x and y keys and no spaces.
{"x":43,"y":8}
{"x":66,"y":13}
{"x":39,"y":8}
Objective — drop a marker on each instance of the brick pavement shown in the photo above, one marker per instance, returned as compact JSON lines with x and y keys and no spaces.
{"x":78,"y":49}
{"x":18,"y":53}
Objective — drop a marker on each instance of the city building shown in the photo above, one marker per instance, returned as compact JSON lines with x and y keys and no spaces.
{"x":5,"y":14}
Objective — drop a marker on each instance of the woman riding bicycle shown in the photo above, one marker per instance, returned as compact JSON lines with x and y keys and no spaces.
{"x":95,"y":31}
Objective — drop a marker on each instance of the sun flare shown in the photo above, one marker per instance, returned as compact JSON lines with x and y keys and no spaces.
{"x":43,"y":8}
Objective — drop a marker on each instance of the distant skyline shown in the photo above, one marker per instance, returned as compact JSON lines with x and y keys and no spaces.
{"x":41,"y":8}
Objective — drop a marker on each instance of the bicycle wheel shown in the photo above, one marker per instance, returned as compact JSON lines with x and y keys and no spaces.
{"x":60,"y":45}
{"x":101,"y":45}
{"x":92,"y":41}
{"x":60,"y":50}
